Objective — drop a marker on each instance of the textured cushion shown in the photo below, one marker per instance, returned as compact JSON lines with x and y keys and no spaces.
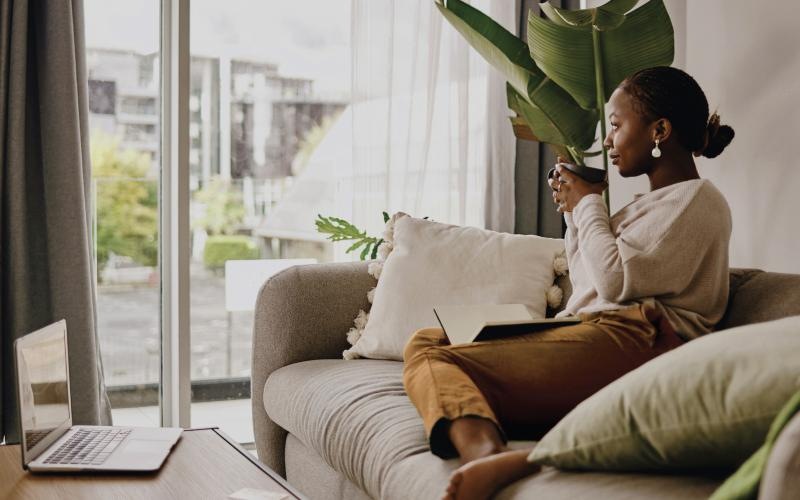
{"x":708,"y":403}
{"x":425,"y":476}
{"x":758,"y":296}
{"x":434,"y":264}
{"x":308,"y":472}
{"x":355,"y":414}
{"x":351,"y":424}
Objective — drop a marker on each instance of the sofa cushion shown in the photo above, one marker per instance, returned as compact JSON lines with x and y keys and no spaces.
{"x":425,"y":476}
{"x":708,"y":403}
{"x":433,"y":264}
{"x":355,"y":414}
{"x":758,"y":296}
{"x":313,"y":477}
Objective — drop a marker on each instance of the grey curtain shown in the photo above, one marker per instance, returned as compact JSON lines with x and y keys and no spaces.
{"x":46,"y":260}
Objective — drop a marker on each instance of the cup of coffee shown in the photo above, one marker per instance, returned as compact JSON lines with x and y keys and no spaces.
{"x":589,"y":174}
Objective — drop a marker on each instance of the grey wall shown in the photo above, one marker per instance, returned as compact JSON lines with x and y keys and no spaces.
{"x":745,"y":56}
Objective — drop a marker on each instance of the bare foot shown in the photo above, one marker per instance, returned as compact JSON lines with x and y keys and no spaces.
{"x":481,"y":478}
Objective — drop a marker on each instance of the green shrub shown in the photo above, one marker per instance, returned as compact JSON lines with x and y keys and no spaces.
{"x":220,"y":248}
{"x":223,"y":209}
{"x":126,"y":202}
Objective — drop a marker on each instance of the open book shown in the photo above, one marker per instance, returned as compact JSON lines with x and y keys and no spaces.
{"x":465,"y":324}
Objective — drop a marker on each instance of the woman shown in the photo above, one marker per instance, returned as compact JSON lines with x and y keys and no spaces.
{"x":645,"y":280}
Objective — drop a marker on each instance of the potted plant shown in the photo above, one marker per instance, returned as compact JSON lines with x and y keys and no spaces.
{"x":558,"y":83}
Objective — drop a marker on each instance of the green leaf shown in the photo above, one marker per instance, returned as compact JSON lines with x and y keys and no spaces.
{"x":551,"y":113}
{"x":365,"y":251}
{"x":386,"y":217}
{"x":375,"y":249}
{"x":355,"y":245}
{"x":608,"y":15}
{"x":566,"y":53}
{"x":502,"y":49}
{"x":339,"y":229}
{"x":546,"y":120}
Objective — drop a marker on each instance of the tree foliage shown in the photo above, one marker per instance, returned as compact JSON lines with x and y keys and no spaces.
{"x":223,"y":207}
{"x":126,"y":202}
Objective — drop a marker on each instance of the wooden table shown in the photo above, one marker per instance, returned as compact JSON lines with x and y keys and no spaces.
{"x":204,"y":464}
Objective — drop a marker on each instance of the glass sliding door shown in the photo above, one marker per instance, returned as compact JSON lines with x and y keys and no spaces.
{"x":122,"y":54}
{"x":268,"y":123}
{"x":269,"y":83}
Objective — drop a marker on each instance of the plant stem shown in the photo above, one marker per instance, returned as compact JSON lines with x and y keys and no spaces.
{"x":601,"y":102}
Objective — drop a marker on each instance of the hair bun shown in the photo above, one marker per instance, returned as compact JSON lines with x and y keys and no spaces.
{"x":718,"y":137}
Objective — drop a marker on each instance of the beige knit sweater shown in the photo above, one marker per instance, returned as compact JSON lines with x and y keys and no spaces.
{"x":669,"y":246}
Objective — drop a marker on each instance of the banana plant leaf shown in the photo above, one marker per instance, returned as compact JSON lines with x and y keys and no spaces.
{"x":549,"y":111}
{"x":572,"y":47}
{"x":608,"y":15}
{"x":544,"y":123}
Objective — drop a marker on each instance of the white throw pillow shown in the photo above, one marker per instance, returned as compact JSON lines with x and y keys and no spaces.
{"x":428,"y":264}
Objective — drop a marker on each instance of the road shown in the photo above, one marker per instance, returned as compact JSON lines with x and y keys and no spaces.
{"x":128,"y":327}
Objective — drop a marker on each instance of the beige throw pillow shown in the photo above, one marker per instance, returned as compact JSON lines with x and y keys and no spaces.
{"x":430,"y":264}
{"x":707,"y":404}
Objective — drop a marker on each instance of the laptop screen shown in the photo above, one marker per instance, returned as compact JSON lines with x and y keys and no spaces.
{"x":44,"y":405}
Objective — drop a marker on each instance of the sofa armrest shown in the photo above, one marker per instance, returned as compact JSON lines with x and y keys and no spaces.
{"x":781,"y":478}
{"x":302,"y":313}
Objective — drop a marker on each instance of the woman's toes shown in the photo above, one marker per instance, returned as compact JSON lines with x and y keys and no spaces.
{"x":452,"y":486}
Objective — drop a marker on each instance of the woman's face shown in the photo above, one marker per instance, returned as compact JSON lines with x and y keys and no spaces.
{"x":630,"y":138}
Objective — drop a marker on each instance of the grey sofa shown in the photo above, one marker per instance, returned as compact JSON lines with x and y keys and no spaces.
{"x":346,"y":430}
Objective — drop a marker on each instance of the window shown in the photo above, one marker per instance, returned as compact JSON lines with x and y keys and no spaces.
{"x":264,"y":94}
{"x":265,"y":143}
{"x":121,"y":54}
{"x":142,"y":106}
{"x":268,"y":81}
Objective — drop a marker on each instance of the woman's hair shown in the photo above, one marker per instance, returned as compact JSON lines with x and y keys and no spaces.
{"x":665,"y":92}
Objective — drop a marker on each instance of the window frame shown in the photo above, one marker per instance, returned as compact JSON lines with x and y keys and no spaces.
{"x":174,"y":250}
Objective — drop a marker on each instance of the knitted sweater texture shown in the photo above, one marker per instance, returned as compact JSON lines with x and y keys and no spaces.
{"x":668,"y":247}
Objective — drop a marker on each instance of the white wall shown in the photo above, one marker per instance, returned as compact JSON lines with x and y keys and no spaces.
{"x":746,"y":57}
{"x":622,"y":190}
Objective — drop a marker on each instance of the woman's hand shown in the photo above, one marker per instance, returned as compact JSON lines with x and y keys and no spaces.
{"x":569,"y":189}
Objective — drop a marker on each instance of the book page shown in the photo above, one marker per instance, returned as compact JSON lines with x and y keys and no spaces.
{"x":464,"y":322}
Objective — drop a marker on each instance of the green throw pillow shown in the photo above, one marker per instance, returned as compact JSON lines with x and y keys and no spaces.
{"x":708,"y":403}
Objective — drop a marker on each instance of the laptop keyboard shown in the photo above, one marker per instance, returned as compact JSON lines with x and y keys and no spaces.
{"x":32,"y":438}
{"x":88,"y":447}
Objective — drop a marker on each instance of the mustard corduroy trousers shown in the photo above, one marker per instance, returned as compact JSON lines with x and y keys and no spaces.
{"x":526,"y":383}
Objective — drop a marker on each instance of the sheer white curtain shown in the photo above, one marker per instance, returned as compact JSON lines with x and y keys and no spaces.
{"x":431,"y":135}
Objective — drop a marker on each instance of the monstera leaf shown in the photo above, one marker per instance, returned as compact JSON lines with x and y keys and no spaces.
{"x":589,"y":52}
{"x":552,"y":115}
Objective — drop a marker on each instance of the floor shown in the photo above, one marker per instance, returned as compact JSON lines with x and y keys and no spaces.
{"x":233,"y":417}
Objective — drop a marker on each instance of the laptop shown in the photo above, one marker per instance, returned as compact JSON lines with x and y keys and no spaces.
{"x":49,"y":441}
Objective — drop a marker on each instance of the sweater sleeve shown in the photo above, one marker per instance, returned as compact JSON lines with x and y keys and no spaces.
{"x":653,"y":262}
{"x":570,"y":237}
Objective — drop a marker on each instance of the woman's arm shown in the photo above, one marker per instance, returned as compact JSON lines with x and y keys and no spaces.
{"x":659,"y":251}
{"x":600,"y":254}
